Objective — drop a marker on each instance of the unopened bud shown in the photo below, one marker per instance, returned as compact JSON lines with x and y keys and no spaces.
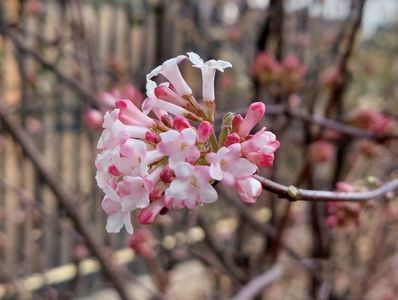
{"x":236,"y":121}
{"x":93,"y":119}
{"x":232,"y":138}
{"x":167,"y":174}
{"x":205,"y":130}
{"x":152,"y":137}
{"x":180,"y":123}
{"x":254,"y":114}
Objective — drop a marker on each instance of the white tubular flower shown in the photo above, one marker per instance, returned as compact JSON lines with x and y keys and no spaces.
{"x":170,"y":70}
{"x":208,"y":73}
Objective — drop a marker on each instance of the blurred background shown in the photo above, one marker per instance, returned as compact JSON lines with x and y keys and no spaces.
{"x":327,"y":71}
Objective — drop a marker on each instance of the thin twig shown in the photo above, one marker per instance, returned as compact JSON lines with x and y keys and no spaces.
{"x":294,"y":194}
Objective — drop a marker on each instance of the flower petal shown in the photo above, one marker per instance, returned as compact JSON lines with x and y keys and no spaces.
{"x":216,"y":171}
{"x":207,"y":193}
{"x":115,"y":222}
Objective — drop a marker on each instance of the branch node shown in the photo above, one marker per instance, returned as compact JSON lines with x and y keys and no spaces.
{"x":293,"y":192}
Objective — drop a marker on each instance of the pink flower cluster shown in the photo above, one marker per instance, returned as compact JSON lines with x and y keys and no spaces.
{"x":166,"y":155}
{"x":287,"y":75}
{"x":372,"y":120}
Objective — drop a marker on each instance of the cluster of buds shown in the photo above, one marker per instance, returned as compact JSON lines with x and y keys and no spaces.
{"x":373,"y":121}
{"x":342,"y":214}
{"x":287,"y":75}
{"x":94,"y":118}
{"x":166,"y":155}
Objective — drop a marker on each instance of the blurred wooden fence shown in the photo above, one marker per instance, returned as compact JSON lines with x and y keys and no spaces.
{"x":98,"y":44}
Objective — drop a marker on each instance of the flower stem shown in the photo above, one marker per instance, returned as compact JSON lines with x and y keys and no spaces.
{"x":213,"y":142}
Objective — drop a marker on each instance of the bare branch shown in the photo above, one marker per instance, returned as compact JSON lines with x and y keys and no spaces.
{"x":294,"y":194}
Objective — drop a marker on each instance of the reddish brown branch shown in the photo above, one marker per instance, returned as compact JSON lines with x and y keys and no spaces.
{"x":337,"y":92}
{"x":294,"y":194}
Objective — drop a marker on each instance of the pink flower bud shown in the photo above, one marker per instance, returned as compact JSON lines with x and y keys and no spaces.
{"x":263,"y":160}
{"x":372,"y":120}
{"x":265,"y":68}
{"x":232,"y":138}
{"x":180,"y":123}
{"x":236,"y":122}
{"x":167,"y":174}
{"x":165,"y":93}
{"x":152,"y":137}
{"x":131,"y":115}
{"x":147,"y":215}
{"x":205,"y":130}
{"x":93,"y":119}
{"x":142,"y":242}
{"x":253,"y":116}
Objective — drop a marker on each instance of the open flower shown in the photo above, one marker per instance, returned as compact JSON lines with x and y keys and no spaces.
{"x":134,"y":192}
{"x":260,"y":148}
{"x":117,"y":216}
{"x":190,"y":188}
{"x":115,"y":132}
{"x":208,"y":69}
{"x":179,"y":146}
{"x":228,"y":166}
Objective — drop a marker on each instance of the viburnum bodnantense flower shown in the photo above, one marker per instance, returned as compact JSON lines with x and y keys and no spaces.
{"x":166,"y":154}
